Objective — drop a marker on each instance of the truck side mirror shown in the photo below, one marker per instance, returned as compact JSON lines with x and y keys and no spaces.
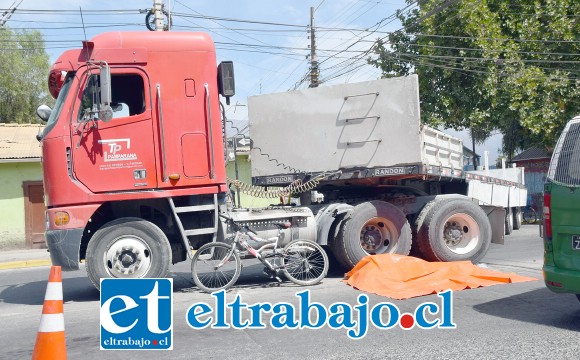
{"x":43,"y":112}
{"x":226,"y":82}
{"x":105,"y":110}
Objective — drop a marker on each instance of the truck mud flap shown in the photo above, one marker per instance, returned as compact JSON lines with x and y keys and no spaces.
{"x":496,"y":217}
{"x":64,"y":246}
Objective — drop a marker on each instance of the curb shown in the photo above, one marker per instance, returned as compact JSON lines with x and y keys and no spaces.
{"x":24,"y":264}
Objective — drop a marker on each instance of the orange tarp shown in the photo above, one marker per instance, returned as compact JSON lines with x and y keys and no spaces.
{"x":402,"y":277}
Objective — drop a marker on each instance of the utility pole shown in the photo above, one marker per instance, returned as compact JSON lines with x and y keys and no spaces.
{"x":158,"y":8}
{"x":313,"y":61}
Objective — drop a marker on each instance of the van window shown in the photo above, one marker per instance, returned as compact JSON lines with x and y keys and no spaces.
{"x":565,"y":163}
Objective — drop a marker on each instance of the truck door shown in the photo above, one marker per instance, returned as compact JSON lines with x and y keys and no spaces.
{"x":118,"y":154}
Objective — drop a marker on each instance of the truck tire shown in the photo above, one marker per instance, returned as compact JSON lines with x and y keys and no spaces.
{"x":453,"y":230}
{"x":415,"y":248}
{"x":509,"y":221}
{"x":374,"y":227}
{"x":517,"y":211}
{"x":127,"y":248}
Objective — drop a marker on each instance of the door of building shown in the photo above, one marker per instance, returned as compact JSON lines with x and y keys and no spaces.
{"x":34,"y":214}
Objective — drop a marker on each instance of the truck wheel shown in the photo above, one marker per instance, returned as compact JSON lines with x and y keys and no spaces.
{"x":509,"y":221}
{"x":517,"y":211}
{"x":128,"y":248}
{"x":374,"y":227}
{"x":454,"y":230}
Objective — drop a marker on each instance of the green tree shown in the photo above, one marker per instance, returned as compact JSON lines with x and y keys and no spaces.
{"x":24,"y":66}
{"x":485,"y":65}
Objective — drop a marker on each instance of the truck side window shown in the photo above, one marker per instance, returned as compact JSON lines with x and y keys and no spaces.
{"x":128,"y":95}
{"x":129,"y":92}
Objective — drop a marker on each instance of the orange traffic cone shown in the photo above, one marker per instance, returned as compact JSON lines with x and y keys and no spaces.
{"x":50,"y":341}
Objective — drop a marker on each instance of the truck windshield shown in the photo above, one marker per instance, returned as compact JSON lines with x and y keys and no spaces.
{"x":58,"y":105}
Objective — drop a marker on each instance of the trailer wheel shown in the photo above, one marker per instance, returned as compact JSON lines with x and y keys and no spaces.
{"x":454,"y":230}
{"x":374,"y":227}
{"x":128,"y":248}
{"x":517,"y":218}
{"x":509,"y":221}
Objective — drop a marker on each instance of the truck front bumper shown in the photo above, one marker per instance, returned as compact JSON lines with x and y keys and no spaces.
{"x":64,"y":247}
{"x":562,"y":281}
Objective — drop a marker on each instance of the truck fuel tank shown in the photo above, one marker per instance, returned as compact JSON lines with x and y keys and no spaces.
{"x":261,"y":221}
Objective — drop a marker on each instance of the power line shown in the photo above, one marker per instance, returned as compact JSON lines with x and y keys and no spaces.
{"x":238,"y":20}
{"x":477,"y":69}
{"x":378,"y":26}
{"x":495,"y":60}
{"x":6,"y":15}
{"x":429,"y":46}
{"x":74,"y":12}
{"x":250,"y":37}
{"x":80,"y":27}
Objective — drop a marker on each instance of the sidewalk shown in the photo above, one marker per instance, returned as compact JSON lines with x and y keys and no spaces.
{"x":15,"y":259}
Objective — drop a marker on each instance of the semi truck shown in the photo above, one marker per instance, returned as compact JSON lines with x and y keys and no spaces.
{"x":134,"y":165}
{"x":390,"y":183}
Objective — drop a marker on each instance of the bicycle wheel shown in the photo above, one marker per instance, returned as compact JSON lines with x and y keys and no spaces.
{"x":305,"y":262}
{"x":205,"y":271}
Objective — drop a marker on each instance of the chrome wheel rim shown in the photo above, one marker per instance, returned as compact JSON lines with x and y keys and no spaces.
{"x":461,"y":233}
{"x":378,"y":235}
{"x":127,"y":257}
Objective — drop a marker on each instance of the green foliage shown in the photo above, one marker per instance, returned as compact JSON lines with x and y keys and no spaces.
{"x":24,"y":66}
{"x":508,"y":65}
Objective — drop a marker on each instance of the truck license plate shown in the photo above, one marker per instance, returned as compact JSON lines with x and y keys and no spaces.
{"x":576,"y":242}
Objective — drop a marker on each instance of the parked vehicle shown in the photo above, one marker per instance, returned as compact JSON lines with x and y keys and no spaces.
{"x":134,"y":173}
{"x":133,"y":156}
{"x":562,"y":214}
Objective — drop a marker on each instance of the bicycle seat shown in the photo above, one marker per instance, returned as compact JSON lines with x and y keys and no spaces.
{"x":283,"y":225}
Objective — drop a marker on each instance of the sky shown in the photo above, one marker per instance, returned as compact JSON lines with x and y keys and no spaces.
{"x":268,"y":40}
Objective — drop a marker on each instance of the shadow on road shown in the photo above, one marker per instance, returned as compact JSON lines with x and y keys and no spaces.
{"x":79,"y":288}
{"x":540,"y":306}
{"x":252,"y":277}
{"x":76,"y":289}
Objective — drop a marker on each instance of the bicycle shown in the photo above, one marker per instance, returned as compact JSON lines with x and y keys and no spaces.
{"x":529,"y":214}
{"x":217,"y":265}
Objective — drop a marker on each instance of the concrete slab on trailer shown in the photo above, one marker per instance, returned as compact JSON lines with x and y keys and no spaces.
{"x":362,"y":125}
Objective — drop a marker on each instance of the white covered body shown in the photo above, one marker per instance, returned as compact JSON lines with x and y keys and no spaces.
{"x":498,"y":187}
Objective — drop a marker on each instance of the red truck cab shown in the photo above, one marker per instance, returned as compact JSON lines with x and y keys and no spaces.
{"x":135,"y":137}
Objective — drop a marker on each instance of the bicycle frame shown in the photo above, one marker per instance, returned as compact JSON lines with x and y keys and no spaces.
{"x":240,"y":241}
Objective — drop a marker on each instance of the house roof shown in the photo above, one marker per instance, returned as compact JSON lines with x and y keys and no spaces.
{"x":532,"y":153}
{"x":18,"y":142}
{"x":468,"y":152}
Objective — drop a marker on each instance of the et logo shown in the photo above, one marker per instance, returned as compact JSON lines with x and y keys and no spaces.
{"x":136,"y":314}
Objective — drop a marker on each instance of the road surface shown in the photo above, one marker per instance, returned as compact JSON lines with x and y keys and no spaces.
{"x":515,"y":321}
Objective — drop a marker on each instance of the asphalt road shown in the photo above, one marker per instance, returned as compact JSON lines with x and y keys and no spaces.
{"x":515,"y":321}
